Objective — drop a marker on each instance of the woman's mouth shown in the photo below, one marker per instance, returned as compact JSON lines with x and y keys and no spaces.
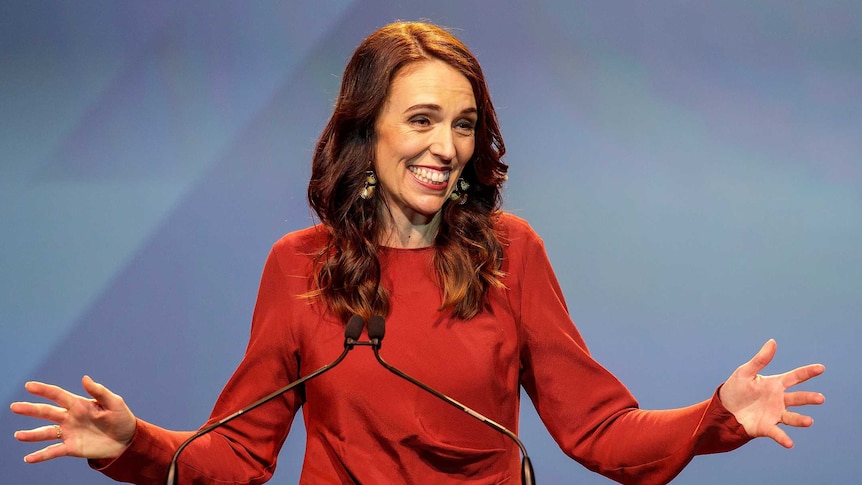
{"x":430,"y":176}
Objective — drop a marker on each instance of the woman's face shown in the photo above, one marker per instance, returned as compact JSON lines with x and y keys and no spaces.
{"x":425,"y":136}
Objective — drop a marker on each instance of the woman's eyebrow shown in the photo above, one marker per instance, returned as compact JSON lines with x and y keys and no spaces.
{"x":436,"y":107}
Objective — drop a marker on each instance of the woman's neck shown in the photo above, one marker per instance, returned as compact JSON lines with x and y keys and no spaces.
{"x":410,"y":234}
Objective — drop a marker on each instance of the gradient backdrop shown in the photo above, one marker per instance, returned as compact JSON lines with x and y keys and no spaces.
{"x":694,"y":169}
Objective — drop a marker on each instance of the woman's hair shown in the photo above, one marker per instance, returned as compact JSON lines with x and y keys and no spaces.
{"x":467,"y":250}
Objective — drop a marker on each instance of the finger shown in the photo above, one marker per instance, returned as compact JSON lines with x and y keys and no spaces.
{"x":38,"y":410}
{"x":49,"y":452}
{"x":780,"y":437}
{"x":44,"y":433}
{"x":760,"y":360}
{"x":102,"y":394}
{"x":795,"y":419}
{"x":801,"y":374}
{"x":54,"y":393}
{"x":803,"y":398}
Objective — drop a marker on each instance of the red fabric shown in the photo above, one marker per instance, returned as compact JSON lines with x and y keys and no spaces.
{"x":366,"y":425}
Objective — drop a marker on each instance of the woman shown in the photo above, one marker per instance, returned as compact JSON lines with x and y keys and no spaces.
{"x":406,"y":181}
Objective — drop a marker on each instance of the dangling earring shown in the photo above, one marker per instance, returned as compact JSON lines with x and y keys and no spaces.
{"x":370,"y":184}
{"x":460,"y":193}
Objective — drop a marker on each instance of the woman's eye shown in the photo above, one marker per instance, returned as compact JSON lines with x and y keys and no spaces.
{"x":466,"y":126}
{"x":420,"y":120}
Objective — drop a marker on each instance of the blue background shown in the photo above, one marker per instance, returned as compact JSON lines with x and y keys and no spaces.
{"x":694,"y":170}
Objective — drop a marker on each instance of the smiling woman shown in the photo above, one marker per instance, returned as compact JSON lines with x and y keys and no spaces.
{"x":383,"y":122}
{"x":431,"y":251}
{"x":424,"y":140}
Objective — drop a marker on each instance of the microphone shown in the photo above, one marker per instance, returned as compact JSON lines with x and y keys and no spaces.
{"x":351,"y":333}
{"x":376,"y":329}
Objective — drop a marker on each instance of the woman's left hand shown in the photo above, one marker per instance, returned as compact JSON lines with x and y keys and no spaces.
{"x":760,"y":403}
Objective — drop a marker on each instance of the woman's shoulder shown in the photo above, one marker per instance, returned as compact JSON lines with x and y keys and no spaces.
{"x":515,"y":230}
{"x":306,"y":242}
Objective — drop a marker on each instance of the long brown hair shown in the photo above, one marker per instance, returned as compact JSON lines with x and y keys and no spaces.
{"x":468,"y":252}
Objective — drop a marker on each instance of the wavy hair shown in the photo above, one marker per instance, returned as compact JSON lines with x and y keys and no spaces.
{"x":467,"y":251}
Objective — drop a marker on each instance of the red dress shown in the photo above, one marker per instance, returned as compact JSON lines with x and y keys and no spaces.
{"x":365,"y":425}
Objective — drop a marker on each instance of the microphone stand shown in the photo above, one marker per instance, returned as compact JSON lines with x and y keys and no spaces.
{"x":375,"y":334}
{"x":354,"y":328}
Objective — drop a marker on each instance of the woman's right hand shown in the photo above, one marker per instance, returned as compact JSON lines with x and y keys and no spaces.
{"x":96,"y":428}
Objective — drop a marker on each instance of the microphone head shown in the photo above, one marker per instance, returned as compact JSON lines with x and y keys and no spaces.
{"x":354,"y":327}
{"x":376,"y":328}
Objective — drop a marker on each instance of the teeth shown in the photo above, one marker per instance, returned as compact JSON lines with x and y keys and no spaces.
{"x":430,"y":176}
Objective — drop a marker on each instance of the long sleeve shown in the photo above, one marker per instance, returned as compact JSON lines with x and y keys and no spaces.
{"x":366,"y":425}
{"x":590,"y":414}
{"x":244,"y":451}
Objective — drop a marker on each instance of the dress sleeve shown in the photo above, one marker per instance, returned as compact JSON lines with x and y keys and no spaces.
{"x":588,"y":411}
{"x":243,"y":451}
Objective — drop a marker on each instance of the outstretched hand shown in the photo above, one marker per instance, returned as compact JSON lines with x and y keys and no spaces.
{"x":760,"y":403}
{"x":101,"y":427}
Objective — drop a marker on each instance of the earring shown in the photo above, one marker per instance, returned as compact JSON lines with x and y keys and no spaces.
{"x":370,"y":184}
{"x":460,"y":193}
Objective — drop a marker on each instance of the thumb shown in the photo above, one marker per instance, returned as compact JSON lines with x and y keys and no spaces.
{"x":101,"y":394}
{"x":760,"y":360}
